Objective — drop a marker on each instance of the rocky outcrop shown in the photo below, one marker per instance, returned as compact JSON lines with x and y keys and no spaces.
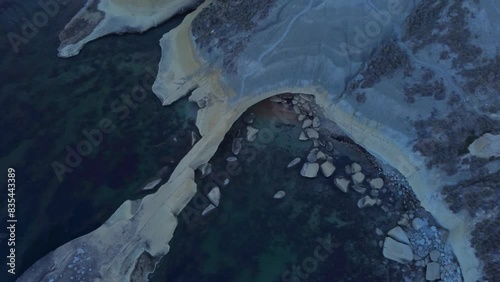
{"x":102,"y":17}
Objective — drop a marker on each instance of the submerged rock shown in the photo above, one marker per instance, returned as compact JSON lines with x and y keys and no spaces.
{"x":208,"y":209}
{"x":309,"y":170}
{"x":342,"y":184}
{"x":399,"y":235}
{"x":329,"y":146}
{"x":293,"y":162}
{"x":251,"y":133}
{"x":327,"y":168}
{"x":366,"y":201}
{"x":301,"y":117}
{"x":377,"y":183}
{"x":355,"y":167}
{"x":231,"y":159}
{"x":237,"y":145}
{"x":248,"y":119}
{"x":397,"y":251}
{"x":214,"y":196}
{"x":359,"y":188}
{"x":279,"y":195}
{"x":303,"y":136}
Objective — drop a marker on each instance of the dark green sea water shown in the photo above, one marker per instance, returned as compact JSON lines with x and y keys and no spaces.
{"x":46,"y":103}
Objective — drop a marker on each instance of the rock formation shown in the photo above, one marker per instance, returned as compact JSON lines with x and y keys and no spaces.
{"x":393,"y":99}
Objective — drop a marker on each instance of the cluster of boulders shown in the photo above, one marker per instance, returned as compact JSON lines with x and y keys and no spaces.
{"x":307,"y":113}
{"x":398,"y":247}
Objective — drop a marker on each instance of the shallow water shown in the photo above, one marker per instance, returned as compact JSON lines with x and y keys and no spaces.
{"x":46,"y":104}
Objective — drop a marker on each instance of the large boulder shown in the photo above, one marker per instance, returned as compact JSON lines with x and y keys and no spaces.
{"x":214,"y":196}
{"x":376,"y":183}
{"x":396,"y":251}
{"x":327,"y":168}
{"x":433,"y":271}
{"x":358,"y":177}
{"x":399,"y":235}
{"x":310,"y":170}
{"x":342,"y":184}
{"x":486,"y":146}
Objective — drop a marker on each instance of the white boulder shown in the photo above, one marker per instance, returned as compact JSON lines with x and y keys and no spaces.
{"x":399,"y":235}
{"x":396,"y":251}
{"x":214,"y":196}
{"x":236,"y":147}
{"x":327,"y":168}
{"x":251,"y":133}
{"x":355,"y":167}
{"x":342,"y":184}
{"x":311,"y":133}
{"x":377,"y":183}
{"x":358,"y":177}
{"x":310,"y":170}
{"x":279,"y":195}
{"x":207,"y":209}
